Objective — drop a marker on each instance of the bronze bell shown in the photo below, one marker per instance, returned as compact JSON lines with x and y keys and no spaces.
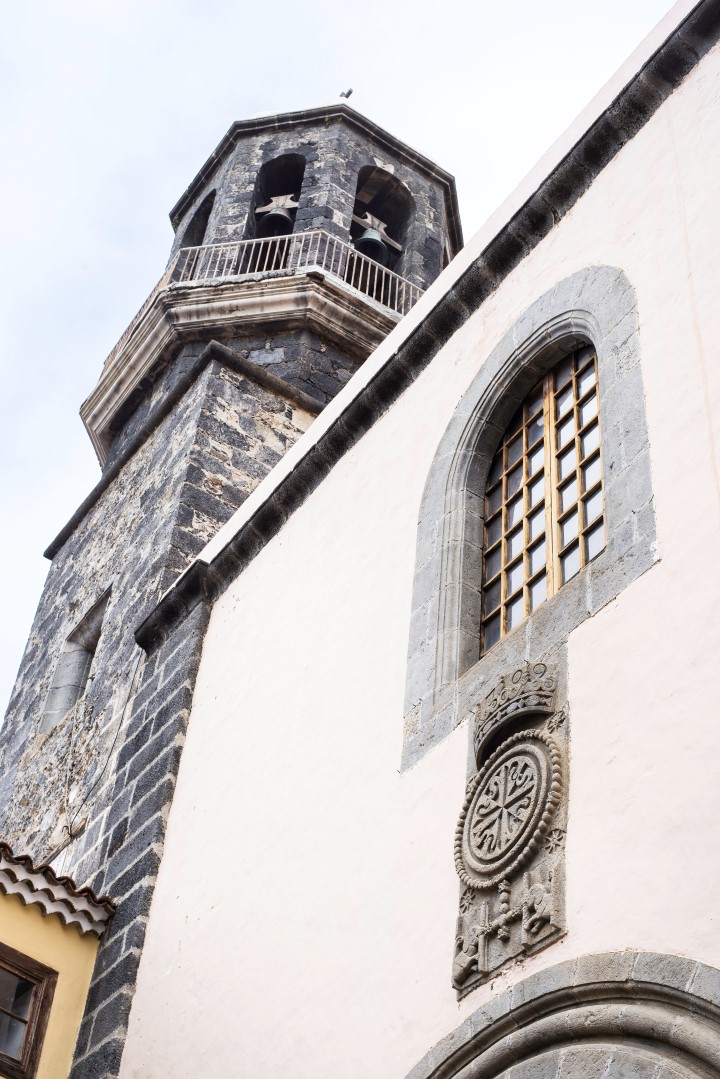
{"x":373,"y":246}
{"x":276,"y":222}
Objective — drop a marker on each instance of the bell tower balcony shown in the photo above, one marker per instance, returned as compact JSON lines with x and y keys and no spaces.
{"x":311,"y":279}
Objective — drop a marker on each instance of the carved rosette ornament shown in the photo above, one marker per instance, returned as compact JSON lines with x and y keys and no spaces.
{"x":509,"y":841}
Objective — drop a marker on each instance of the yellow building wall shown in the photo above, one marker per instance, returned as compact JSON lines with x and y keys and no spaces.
{"x":68,"y":952}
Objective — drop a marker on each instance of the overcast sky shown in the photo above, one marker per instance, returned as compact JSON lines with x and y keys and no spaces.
{"x":109,"y":110}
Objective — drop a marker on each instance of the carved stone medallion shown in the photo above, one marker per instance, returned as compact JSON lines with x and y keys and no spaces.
{"x":508,"y":809}
{"x":509,"y":840}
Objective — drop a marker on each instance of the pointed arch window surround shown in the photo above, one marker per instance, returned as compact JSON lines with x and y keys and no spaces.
{"x":544,"y":512}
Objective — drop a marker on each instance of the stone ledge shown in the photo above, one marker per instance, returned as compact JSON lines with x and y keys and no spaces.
{"x":183,"y":313}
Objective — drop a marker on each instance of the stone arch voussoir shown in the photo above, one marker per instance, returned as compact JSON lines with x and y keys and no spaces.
{"x":638,"y":1014}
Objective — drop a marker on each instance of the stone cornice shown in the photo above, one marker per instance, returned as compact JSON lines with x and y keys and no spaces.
{"x":627,"y":114}
{"x":284,"y":121}
{"x":214,"y":351}
{"x":181,"y":313}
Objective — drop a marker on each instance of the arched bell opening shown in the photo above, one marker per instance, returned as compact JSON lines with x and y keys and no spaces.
{"x":272,"y":213}
{"x":382,"y":212}
{"x":275,"y":198}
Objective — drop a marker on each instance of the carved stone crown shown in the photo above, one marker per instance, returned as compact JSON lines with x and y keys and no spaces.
{"x":529,"y":689}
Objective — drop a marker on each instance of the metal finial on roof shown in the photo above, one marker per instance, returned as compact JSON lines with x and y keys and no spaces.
{"x":346,"y":93}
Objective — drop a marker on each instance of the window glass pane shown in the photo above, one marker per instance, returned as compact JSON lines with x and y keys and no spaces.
{"x":495,"y":470}
{"x":23,"y":999}
{"x":536,"y":491}
{"x":588,"y":410}
{"x":494,"y":500}
{"x":535,"y":430}
{"x":536,"y":523}
{"x":514,"y":512}
{"x":514,"y":450}
{"x":594,"y":541}
{"x":515,"y":612}
{"x":12,"y":1032}
{"x":535,"y":401}
{"x":538,"y":557}
{"x":491,"y":634}
{"x":570,"y":563}
{"x":514,"y":544}
{"x":15,"y":993}
{"x":515,"y":423}
{"x":566,"y":463}
{"x":536,"y":459}
{"x":492,"y":597}
{"x":563,"y":373}
{"x":593,"y":507}
{"x":515,"y":577}
{"x":566,"y":432}
{"x":493,"y":531}
{"x":591,"y":474}
{"x":585,"y":354}
{"x":563,"y":402}
{"x":568,"y":495}
{"x":569,"y":529}
{"x":590,"y":440}
{"x":586,"y":380}
{"x":538,"y":592}
{"x":492,"y":563}
{"x":514,"y":481}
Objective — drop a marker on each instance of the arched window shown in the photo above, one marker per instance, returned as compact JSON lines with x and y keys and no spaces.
{"x":590,"y":317}
{"x":544,"y":516}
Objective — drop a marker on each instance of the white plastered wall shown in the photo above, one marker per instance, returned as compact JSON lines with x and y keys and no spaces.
{"x":304,"y":916}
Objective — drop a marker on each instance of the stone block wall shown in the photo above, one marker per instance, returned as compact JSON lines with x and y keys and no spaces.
{"x":133,"y":831}
{"x":194,"y":468}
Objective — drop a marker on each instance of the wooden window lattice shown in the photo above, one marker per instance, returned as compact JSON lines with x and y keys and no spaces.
{"x":544,"y":509}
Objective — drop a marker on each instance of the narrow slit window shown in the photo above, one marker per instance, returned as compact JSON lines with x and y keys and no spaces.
{"x":73,"y":666}
{"x":544,"y":508}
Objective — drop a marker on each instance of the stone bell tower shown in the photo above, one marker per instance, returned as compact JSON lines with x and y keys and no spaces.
{"x":301,"y":242}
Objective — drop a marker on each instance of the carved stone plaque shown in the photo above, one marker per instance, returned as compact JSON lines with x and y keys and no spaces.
{"x":509,"y":840}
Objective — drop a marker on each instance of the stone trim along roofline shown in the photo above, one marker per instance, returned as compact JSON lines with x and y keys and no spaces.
{"x":325,"y":114}
{"x":666,"y":1006}
{"x":213,"y":351}
{"x":428,"y":328}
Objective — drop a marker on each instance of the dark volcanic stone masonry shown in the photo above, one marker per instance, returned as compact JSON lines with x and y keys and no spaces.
{"x":188,"y":477}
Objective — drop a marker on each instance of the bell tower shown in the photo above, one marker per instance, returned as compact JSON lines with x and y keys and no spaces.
{"x":298,"y":246}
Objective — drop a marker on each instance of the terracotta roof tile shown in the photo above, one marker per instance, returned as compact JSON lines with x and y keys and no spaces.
{"x":39,"y":885}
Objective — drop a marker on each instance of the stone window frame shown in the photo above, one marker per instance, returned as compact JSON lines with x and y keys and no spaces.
{"x":45,"y":981}
{"x":594,"y":306}
{"x":73,"y":666}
